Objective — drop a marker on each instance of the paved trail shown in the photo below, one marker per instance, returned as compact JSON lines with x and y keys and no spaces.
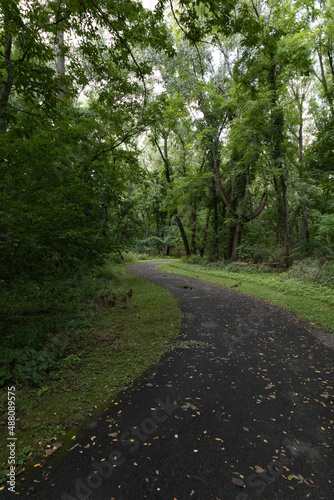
{"x":231,"y":417}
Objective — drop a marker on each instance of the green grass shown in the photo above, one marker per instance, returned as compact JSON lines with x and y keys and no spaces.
{"x":311,"y":301}
{"x":96,"y":350}
{"x":104,"y":353}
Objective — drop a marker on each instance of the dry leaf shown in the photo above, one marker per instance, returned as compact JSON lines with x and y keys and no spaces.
{"x":49,"y":451}
{"x":259,"y":469}
{"x":238,"y":482}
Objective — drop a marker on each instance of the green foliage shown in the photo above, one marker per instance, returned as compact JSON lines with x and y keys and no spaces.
{"x":151,"y":244}
{"x":313,"y":270}
{"x":116,"y":345}
{"x":41,"y":320}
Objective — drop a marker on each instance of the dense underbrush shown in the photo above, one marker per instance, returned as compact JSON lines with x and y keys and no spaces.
{"x":43,"y":320}
{"x":69,"y":344}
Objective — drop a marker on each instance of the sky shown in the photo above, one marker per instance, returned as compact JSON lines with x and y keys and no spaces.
{"x":149,"y":4}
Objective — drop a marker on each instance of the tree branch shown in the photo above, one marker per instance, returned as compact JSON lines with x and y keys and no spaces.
{"x":188,"y":36}
{"x":125,"y":44}
{"x":255,"y":9}
{"x":259,"y":208}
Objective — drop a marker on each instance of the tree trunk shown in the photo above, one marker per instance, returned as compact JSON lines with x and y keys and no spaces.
{"x":104,"y":222}
{"x":215,"y":220}
{"x":166,"y":160}
{"x":324,"y":82}
{"x":60,"y":61}
{"x":282,"y":228}
{"x":236,"y":242}
{"x":183,"y":234}
{"x":7,"y":85}
{"x":293,"y":221}
{"x":304,"y":232}
{"x":157,"y":217}
{"x":205,"y":235}
{"x":193,"y":229}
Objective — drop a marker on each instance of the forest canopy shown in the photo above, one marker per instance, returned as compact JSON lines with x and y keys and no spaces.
{"x":203,"y":127}
{"x":135,"y":129}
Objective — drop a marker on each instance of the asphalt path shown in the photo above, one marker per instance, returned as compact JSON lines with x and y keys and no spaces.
{"x":240,"y":408}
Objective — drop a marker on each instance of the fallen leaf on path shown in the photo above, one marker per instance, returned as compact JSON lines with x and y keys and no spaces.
{"x":238,"y":482}
{"x":299,"y":478}
{"x":259,"y":469}
{"x":188,"y":405}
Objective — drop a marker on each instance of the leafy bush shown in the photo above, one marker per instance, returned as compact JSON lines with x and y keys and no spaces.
{"x":261,"y":252}
{"x":41,"y":320}
{"x":195,"y":259}
{"x":26,"y":365}
{"x":151,"y":244}
{"x":313,"y":270}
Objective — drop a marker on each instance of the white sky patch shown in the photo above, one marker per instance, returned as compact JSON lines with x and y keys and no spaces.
{"x":149,"y":4}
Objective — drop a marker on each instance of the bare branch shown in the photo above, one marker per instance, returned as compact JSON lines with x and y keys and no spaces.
{"x":255,"y":9}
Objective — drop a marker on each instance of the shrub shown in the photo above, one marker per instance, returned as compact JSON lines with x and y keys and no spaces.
{"x":319,"y":271}
{"x":152,"y":244}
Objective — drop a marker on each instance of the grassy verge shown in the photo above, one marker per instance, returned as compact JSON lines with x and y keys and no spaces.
{"x":107,"y":348}
{"x":311,"y":301}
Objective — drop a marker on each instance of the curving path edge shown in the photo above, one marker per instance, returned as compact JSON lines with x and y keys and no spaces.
{"x":242,"y":408}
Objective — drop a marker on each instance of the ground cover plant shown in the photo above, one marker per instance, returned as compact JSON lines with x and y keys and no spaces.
{"x":86,"y":346}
